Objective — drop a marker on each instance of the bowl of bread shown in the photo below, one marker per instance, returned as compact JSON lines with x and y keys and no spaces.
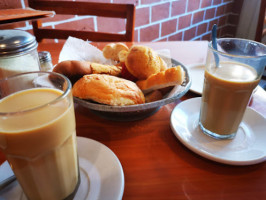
{"x":135,"y":86}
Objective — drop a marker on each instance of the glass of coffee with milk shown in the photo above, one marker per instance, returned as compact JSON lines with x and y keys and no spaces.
{"x":232,"y":73}
{"x":38,"y":134}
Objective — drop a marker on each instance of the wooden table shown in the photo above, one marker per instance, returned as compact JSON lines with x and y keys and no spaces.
{"x":156,"y":165}
{"x":22,"y":14}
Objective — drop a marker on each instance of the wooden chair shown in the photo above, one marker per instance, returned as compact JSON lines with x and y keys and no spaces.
{"x":260,"y":32}
{"x":126,"y":11}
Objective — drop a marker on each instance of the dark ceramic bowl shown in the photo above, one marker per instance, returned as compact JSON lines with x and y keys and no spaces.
{"x":140,"y":111}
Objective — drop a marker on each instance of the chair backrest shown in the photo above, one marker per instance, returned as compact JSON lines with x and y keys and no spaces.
{"x":261,"y":21}
{"x":126,"y":11}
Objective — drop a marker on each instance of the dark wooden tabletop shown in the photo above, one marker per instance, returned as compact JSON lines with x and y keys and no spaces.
{"x":156,"y":164}
{"x":22,"y":14}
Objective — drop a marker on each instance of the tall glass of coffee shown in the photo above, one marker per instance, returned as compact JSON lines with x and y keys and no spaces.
{"x":232,"y":72}
{"x":38,"y":134}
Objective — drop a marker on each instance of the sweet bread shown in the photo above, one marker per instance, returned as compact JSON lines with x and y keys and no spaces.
{"x":111,"y":50}
{"x":114,"y":70}
{"x":142,"y":61}
{"x":122,"y":56}
{"x":108,"y":90}
{"x":170,"y":77}
{"x":74,"y":69}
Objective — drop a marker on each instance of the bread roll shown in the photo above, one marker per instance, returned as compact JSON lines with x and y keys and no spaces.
{"x":170,"y":77}
{"x":106,"y":69}
{"x":108,"y":90}
{"x":74,"y":69}
{"x":122,"y":56}
{"x":110,"y":51}
{"x":142,"y":62}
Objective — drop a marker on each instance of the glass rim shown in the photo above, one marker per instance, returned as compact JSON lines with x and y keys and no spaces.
{"x":62,"y":96}
{"x":236,"y":56}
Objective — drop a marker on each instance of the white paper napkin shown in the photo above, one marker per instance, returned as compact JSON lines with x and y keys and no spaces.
{"x":77,"y":49}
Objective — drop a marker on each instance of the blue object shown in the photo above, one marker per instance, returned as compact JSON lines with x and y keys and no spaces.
{"x":214,"y":43}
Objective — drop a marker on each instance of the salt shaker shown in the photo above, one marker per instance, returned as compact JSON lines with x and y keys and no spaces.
{"x":45,"y":61}
{"x":18,"y":53}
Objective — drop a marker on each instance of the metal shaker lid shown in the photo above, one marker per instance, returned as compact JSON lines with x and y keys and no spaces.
{"x":16,"y":42}
{"x":44,"y":56}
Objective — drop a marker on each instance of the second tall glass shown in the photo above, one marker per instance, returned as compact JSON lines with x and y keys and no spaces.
{"x":231,"y":74}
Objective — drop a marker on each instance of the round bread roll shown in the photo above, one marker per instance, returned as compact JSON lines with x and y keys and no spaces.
{"x":107,"y":89}
{"x":111,"y":50}
{"x":122,"y":56}
{"x":142,"y":62}
{"x":73,"y":69}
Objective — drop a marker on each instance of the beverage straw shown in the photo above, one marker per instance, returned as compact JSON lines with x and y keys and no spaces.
{"x":214,"y":44}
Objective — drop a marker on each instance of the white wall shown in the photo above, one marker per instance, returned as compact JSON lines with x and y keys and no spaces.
{"x":248,"y":19}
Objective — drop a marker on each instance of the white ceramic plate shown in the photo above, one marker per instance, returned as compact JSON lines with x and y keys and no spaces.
{"x":248,"y":147}
{"x":196,"y":72}
{"x":101,"y":174}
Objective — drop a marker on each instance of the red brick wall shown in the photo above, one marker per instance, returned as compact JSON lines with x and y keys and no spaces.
{"x":156,"y":20}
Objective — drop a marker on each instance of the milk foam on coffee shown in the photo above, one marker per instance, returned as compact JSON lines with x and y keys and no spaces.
{"x":40,"y":143}
{"x":234,"y":72}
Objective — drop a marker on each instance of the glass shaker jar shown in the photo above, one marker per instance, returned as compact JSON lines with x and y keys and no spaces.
{"x":18,"y":53}
{"x":45,"y":61}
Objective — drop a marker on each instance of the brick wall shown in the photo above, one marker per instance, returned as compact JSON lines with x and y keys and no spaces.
{"x":156,"y":20}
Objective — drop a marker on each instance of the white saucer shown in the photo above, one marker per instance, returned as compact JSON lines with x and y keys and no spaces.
{"x":196,"y":72}
{"x":248,"y":147}
{"x":101,"y":174}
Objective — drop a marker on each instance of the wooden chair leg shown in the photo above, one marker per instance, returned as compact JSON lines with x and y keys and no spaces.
{"x":36,"y":25}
